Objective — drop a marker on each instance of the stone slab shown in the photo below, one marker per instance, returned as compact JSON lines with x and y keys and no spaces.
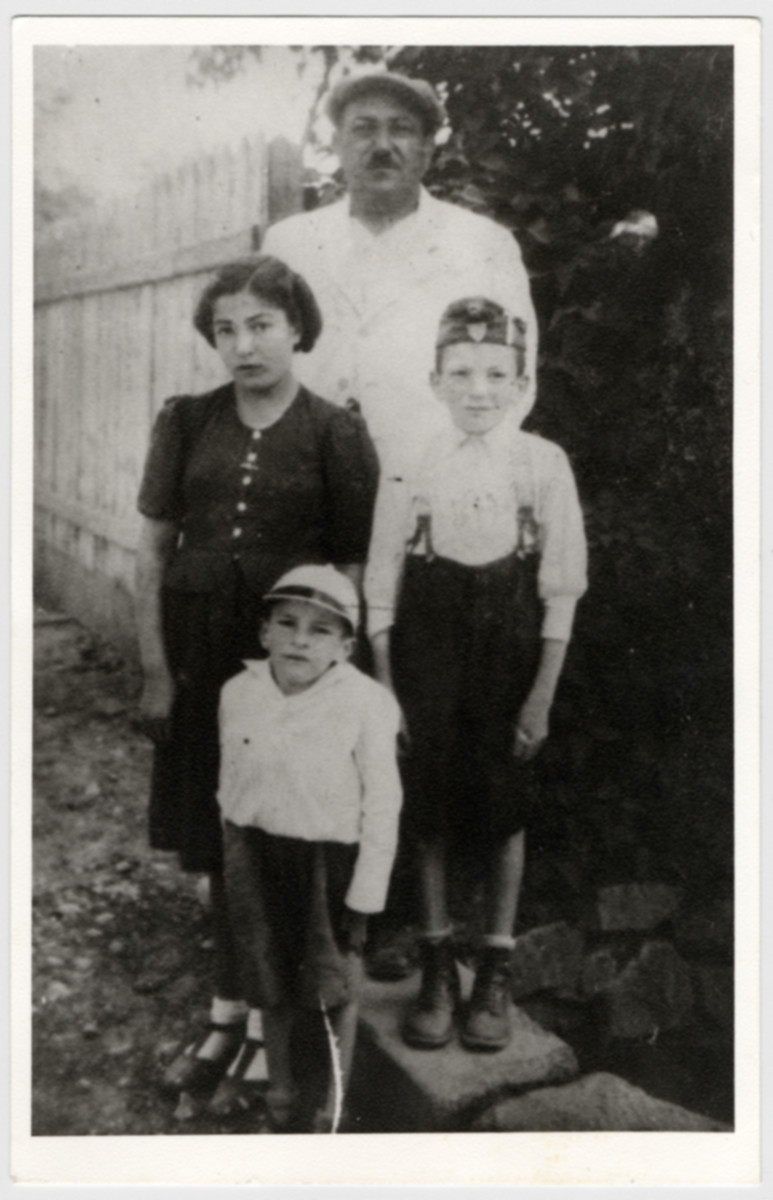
{"x":637,"y":905}
{"x":438,"y":1089}
{"x":549,"y":957}
{"x":595,"y":1102}
{"x":654,"y":991}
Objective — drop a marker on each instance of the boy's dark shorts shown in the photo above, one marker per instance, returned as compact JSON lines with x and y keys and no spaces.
{"x":286,"y":901}
{"x":465,"y":651}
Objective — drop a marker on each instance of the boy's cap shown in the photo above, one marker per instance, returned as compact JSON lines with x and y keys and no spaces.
{"x":320,"y":585}
{"x":476,"y":319}
{"x":416,"y":94}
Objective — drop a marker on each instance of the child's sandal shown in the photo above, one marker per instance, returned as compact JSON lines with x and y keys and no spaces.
{"x":235,"y":1093}
{"x":190,"y":1073}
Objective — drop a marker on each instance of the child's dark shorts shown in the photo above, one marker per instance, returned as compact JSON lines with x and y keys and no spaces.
{"x":285,"y":904}
{"x":465,"y":650}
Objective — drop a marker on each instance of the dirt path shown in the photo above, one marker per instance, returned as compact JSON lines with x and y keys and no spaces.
{"x":122,"y":944}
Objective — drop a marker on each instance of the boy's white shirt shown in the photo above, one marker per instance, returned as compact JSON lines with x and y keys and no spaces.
{"x":319,"y":765}
{"x":473,"y":486}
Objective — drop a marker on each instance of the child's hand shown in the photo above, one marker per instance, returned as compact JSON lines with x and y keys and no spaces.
{"x":531,"y":728}
{"x":355,"y":929}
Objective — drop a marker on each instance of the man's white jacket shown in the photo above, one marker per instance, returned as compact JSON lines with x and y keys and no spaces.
{"x":381,"y":298}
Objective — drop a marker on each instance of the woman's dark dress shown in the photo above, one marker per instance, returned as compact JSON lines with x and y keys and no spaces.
{"x":250,"y":504}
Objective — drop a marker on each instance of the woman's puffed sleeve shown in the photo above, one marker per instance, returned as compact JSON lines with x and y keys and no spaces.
{"x":563,"y":565}
{"x":351,"y":482}
{"x":160,"y":495}
{"x":376,"y":757}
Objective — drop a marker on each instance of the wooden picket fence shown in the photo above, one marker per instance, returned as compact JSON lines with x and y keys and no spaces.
{"x":114,"y":298}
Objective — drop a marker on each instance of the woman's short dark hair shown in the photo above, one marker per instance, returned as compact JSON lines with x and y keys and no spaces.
{"x":271,"y":280}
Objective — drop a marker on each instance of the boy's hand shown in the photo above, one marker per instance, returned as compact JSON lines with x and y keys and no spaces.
{"x":355,"y":930}
{"x":531,"y":728}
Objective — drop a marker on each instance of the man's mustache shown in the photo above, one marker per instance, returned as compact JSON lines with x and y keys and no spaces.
{"x":383,"y":158}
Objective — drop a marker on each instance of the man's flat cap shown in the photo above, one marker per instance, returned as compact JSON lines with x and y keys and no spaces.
{"x":415,"y":94}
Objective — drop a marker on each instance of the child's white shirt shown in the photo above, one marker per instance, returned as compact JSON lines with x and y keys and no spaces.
{"x":319,"y":765}
{"x":472,"y":486}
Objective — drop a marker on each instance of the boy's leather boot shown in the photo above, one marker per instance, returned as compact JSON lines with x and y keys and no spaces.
{"x":486,"y":1025}
{"x":429,"y":1021}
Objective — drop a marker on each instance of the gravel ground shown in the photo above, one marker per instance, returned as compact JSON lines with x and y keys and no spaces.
{"x":122,"y":946}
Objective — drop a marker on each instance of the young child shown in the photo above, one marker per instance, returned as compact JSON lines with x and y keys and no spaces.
{"x":310,"y":797}
{"x":475,"y":568}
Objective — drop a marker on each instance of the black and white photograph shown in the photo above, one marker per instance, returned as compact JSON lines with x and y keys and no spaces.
{"x":387,"y":778}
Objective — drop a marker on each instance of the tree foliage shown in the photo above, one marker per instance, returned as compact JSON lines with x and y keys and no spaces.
{"x":635,"y":381}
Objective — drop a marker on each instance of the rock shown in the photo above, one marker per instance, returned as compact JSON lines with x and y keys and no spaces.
{"x":567,"y":1018}
{"x":707,"y":929}
{"x":183,"y":989}
{"x":187,"y":1108}
{"x":57,"y":990}
{"x":104,"y":918}
{"x":652,"y":992}
{"x":637,"y":905}
{"x":166,"y":1051}
{"x":67,"y":908}
{"x":435,"y":1090}
{"x":91,"y":1030}
{"x":118,"y":1042}
{"x":108,"y":706}
{"x":549,"y":957}
{"x":122,"y":889}
{"x":714,"y":993}
{"x":123,"y":867}
{"x":598,"y":971}
{"x":117,"y":946}
{"x":53,"y":961}
{"x":161,"y":967}
{"x":595,"y":1102}
{"x":92,"y":791}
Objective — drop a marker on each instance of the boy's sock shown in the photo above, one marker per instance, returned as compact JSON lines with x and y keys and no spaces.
{"x":222,"y":1012}
{"x":498,"y":941}
{"x":255,"y":1024}
{"x":227,"y":1012}
{"x":435,"y":936}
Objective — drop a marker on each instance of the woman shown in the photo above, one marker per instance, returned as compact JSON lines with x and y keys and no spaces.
{"x":240,"y":485}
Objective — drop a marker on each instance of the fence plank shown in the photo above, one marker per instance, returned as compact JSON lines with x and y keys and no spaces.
{"x":114,"y":298}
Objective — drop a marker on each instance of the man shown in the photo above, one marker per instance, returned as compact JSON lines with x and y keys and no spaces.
{"x":386,"y":261}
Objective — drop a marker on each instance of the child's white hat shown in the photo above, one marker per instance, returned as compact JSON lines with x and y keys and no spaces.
{"x":321,"y":585}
